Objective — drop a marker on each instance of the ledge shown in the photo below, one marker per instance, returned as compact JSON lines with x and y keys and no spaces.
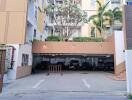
{"x":73,"y":47}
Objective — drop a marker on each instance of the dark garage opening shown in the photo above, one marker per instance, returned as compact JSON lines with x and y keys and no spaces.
{"x":73,"y":62}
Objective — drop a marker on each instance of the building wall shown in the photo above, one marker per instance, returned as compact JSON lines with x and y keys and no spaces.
{"x":73,"y":47}
{"x":18,"y":20}
{"x":25,"y":49}
{"x":13,"y":21}
{"x":29,"y":33}
{"x":40,"y":21}
{"x":18,"y":70}
{"x":128,"y":26}
{"x":41,"y":3}
{"x":11,"y":73}
{"x":128,"y":57}
{"x":31,"y":12}
{"x":31,"y":21}
{"x":35,"y":22}
{"x":24,"y":70}
{"x":120,"y":69}
{"x":119,"y":47}
{"x":90,"y":7}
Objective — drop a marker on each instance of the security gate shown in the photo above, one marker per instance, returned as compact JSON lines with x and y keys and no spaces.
{"x":55,"y":69}
{"x":2,"y":67}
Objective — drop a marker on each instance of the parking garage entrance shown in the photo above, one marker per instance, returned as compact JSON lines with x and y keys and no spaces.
{"x":73,"y":62}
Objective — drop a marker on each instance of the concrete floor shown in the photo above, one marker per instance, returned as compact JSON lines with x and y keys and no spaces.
{"x":62,"y":96}
{"x":84,"y":82}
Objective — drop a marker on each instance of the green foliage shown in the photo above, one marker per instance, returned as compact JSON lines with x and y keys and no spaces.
{"x":105,"y":15}
{"x":129,"y":96}
{"x":87,"y":39}
{"x":114,"y":15}
{"x":53,"y":38}
{"x":69,"y":14}
{"x":117,"y":14}
{"x":35,"y":40}
{"x":98,"y":19}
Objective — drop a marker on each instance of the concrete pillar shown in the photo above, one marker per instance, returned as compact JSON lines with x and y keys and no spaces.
{"x":119,"y":54}
{"x":128,"y":57}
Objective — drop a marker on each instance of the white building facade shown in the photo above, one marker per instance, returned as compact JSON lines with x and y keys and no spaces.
{"x":19,"y":56}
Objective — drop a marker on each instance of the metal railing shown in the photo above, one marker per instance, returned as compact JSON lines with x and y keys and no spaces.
{"x":55,"y":69}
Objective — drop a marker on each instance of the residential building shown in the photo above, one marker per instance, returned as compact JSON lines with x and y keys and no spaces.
{"x":82,"y":30}
{"x":85,"y":30}
{"x":92,"y":52}
{"x":22,"y":22}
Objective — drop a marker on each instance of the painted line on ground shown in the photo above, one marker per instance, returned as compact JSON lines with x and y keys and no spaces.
{"x":38,"y":84}
{"x":85,"y":83}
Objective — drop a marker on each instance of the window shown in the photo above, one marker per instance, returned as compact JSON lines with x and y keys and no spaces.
{"x":41,"y":37}
{"x":25,"y":59}
{"x":78,"y":2}
{"x":50,"y":1}
{"x":52,"y":19}
{"x":52,"y":31}
{"x":57,"y":30}
{"x":34,"y":34}
{"x":36,"y":13}
{"x":59,"y":2}
{"x":93,"y":32}
{"x":93,"y":2}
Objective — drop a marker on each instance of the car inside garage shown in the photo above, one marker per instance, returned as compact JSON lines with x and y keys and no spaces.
{"x":73,"y":62}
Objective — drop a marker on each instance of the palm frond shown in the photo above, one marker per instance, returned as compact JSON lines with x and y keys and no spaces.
{"x":109,"y":13}
{"x":105,"y":6}
{"x":116,"y":9}
{"x":92,"y":17}
{"x":99,"y":3}
{"x":117,"y":14}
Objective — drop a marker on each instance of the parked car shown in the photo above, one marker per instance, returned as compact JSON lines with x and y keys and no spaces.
{"x":85,"y":66}
{"x":74,"y":64}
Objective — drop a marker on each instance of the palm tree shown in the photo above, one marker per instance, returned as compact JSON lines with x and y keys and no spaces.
{"x":112,"y":16}
{"x":98,"y":19}
{"x":117,"y":14}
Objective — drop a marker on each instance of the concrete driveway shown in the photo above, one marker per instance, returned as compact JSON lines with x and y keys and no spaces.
{"x":91,"y":82}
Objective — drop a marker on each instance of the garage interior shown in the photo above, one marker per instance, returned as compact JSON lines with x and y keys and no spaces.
{"x":73,"y":62}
